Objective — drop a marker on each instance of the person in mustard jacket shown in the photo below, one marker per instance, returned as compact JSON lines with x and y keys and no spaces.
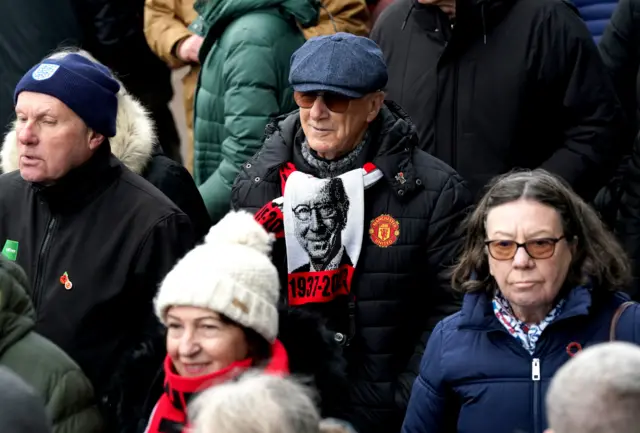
{"x":349,"y":16}
{"x":166,"y":27}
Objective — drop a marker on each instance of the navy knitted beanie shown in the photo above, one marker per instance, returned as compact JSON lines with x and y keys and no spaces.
{"x":84,"y":86}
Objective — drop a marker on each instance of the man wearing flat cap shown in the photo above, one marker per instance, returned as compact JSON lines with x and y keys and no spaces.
{"x":398,"y":230}
{"x":94,"y":238}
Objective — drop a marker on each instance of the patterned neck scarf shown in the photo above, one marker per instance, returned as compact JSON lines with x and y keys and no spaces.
{"x":527,"y":335}
{"x":328,"y":169}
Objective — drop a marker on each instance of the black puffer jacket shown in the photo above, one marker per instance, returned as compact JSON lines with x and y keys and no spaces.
{"x":400,"y":290}
{"x":516,"y":83}
{"x":627,"y":226}
{"x":620,"y":50}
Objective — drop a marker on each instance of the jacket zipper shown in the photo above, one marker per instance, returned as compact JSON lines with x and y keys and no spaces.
{"x":535,"y":377}
{"x":38,"y":285}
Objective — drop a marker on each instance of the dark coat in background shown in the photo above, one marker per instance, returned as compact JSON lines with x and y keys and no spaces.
{"x":620,"y":50}
{"x":515,"y":83}
{"x":400,"y":291}
{"x":113,"y":32}
{"x":627,"y":224}
{"x":30,"y":31}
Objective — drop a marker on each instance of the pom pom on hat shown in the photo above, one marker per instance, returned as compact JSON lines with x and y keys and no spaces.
{"x":240,"y":228}
{"x":231,"y":274}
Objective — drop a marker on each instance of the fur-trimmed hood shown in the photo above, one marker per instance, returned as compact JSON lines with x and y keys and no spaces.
{"x":133,"y":143}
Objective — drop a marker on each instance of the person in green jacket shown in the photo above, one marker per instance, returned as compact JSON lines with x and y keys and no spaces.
{"x":243,"y":84}
{"x":66,"y":391}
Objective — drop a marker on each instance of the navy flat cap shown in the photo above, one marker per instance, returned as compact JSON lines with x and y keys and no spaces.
{"x":342,"y":63}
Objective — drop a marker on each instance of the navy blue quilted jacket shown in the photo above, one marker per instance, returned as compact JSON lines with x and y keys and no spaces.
{"x":596,"y":14}
{"x":475,"y":377}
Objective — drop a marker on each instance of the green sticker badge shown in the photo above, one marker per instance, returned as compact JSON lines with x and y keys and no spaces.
{"x":10,"y":250}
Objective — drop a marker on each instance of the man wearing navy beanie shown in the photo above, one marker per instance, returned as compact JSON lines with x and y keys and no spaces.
{"x":94,"y":238}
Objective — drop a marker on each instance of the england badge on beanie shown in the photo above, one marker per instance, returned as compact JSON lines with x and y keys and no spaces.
{"x":45,"y":71}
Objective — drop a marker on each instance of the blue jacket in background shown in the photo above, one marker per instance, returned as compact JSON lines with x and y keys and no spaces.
{"x":596,"y":13}
{"x":475,"y":377}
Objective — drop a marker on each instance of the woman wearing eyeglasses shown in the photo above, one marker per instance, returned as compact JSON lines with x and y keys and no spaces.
{"x":541,"y":276}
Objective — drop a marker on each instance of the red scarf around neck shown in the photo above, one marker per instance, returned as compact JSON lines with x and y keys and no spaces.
{"x":170,"y":413}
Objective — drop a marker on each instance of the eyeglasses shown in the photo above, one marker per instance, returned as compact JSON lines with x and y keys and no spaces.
{"x":334,"y":102}
{"x":303,"y":212}
{"x":542,"y":248}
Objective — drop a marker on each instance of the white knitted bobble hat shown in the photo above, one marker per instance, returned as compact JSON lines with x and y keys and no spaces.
{"x":230,"y":273}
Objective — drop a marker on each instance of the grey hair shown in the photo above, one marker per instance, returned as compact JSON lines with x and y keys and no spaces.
{"x":598,"y":391}
{"x":256,"y":403}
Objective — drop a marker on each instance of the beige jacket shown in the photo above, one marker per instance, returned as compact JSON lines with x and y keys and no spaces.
{"x":350,"y":16}
{"x":165,"y":24}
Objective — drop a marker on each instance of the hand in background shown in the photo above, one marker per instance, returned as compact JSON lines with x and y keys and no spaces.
{"x":189,"y":48}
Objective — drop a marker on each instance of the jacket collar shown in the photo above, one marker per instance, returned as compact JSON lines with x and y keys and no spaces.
{"x":81,"y":184}
{"x":474,"y":19}
{"x":477,"y":312}
{"x":393,"y":140}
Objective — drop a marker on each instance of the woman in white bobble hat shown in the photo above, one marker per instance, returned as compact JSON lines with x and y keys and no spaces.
{"x":219,"y":305}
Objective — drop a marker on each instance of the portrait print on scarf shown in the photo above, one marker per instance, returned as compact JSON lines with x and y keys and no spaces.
{"x":322,"y":223}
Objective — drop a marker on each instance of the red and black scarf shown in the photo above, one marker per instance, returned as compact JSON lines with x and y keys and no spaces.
{"x":307,"y":281}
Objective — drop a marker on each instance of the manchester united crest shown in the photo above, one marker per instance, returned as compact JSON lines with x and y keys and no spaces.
{"x":384,"y":231}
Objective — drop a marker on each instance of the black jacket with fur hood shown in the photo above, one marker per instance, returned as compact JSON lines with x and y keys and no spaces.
{"x":123,"y":389}
{"x":135,"y":145}
{"x":94,"y":246}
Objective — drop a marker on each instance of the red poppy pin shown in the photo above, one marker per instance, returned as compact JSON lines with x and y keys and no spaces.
{"x":64,"y":279}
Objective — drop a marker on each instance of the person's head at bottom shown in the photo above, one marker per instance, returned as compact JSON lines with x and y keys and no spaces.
{"x":337,"y":82}
{"x":21,"y":410}
{"x":65,"y":109}
{"x":219,"y":302}
{"x":597,"y":391}
{"x":259,"y":403}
